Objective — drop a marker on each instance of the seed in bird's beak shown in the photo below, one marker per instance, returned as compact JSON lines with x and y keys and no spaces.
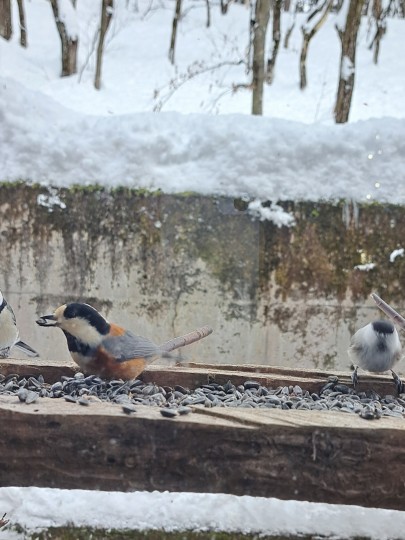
{"x":46,"y":320}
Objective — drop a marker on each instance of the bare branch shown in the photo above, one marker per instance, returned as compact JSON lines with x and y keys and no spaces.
{"x":187,"y":339}
{"x":196,"y":69}
{"x":389,"y":311}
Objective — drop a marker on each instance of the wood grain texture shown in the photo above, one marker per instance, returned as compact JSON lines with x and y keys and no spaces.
{"x":302,"y":455}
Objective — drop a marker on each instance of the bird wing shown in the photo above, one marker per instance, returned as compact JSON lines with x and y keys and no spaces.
{"x":29,"y":351}
{"x":12,"y":313}
{"x":130,"y":346}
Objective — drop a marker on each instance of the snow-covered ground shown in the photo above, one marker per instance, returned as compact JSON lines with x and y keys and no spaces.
{"x":62,"y":131}
{"x":36,"y":508}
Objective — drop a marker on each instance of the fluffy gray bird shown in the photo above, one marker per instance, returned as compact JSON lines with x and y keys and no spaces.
{"x":376,"y":348}
{"x":9,"y":336}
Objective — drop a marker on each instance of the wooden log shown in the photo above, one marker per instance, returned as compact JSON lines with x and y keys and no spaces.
{"x":303,"y":455}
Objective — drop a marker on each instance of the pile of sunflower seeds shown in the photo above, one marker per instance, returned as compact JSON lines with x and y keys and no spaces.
{"x":177,"y":400}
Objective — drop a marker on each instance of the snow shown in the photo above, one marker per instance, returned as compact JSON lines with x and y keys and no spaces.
{"x":38,"y":508}
{"x":274,"y":213}
{"x":347,"y":69}
{"x":67,"y":15}
{"x":59,"y":132}
{"x":397,"y":253}
{"x":365,"y":267}
{"x":194,"y":153}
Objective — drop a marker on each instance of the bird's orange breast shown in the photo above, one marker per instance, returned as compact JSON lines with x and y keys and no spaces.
{"x":104,"y":365}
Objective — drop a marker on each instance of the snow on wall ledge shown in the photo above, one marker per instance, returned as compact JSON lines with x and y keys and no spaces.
{"x":231,"y":155}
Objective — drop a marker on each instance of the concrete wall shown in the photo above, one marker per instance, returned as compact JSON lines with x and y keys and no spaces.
{"x":163,"y":265}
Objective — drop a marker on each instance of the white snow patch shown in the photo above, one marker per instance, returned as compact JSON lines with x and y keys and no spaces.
{"x":396,"y":253}
{"x":274,"y":213}
{"x":347,"y":68}
{"x":67,"y":15}
{"x":51,"y":200}
{"x":365,"y":267}
{"x":38,"y":508}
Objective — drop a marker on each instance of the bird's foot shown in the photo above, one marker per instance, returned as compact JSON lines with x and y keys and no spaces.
{"x":355,"y":377}
{"x":398,"y":383}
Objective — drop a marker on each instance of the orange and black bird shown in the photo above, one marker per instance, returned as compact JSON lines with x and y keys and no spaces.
{"x":105,"y":349}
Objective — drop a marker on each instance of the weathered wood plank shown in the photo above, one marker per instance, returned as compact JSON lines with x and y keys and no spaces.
{"x":303,"y":455}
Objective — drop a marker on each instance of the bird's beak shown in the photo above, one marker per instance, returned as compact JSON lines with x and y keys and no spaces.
{"x":46,"y":320}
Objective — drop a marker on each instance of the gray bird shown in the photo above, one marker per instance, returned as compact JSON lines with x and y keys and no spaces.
{"x":9,"y":336}
{"x":376,"y":348}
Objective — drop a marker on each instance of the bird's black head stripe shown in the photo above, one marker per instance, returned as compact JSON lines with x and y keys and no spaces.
{"x":383,"y":327}
{"x":91,"y":315}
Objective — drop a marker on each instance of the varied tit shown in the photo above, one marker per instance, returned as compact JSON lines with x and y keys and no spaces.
{"x":9,"y":336}
{"x":99,"y":347}
{"x":376,"y":348}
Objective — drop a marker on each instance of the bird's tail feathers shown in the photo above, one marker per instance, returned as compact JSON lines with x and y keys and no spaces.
{"x":187,"y":339}
{"x":29,"y":351}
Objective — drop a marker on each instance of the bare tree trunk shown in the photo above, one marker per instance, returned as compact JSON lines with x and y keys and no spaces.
{"x":348,"y":39}
{"x":224,"y":6}
{"x":378,"y":17}
{"x":208,"y":13}
{"x":290,"y":7}
{"x":106,"y":15}
{"x":288,"y":35}
{"x":271,"y":62}
{"x":313,"y":23}
{"x":6,"y":26}
{"x":69,"y":43}
{"x":176,"y":18}
{"x":23,"y":29}
{"x":262,"y":14}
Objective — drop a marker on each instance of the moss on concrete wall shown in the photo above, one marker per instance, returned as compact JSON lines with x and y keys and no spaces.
{"x":176,"y":246}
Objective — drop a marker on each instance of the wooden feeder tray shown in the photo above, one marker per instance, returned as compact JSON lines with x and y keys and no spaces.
{"x":320,"y":456}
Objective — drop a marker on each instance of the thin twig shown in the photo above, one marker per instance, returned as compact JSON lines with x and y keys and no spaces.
{"x":3,"y":520}
{"x":182,"y":341}
{"x":196,"y":69}
{"x":389,"y":311}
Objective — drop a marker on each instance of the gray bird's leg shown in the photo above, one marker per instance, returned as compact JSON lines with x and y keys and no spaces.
{"x":355,"y":377}
{"x":398,"y":383}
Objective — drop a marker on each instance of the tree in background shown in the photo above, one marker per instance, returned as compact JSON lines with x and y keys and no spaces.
{"x":107,"y":7}
{"x":262,"y":14}
{"x":23,"y":29}
{"x":6,"y":27}
{"x":378,"y":25}
{"x":347,"y":27}
{"x":65,"y":18}
{"x":176,"y":18}
{"x":271,"y":61}
{"x":315,"y":20}
{"x":290,"y":7}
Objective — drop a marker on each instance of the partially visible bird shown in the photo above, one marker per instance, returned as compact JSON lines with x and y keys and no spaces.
{"x":376,"y":348}
{"x":103,"y":348}
{"x":9,"y":335}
